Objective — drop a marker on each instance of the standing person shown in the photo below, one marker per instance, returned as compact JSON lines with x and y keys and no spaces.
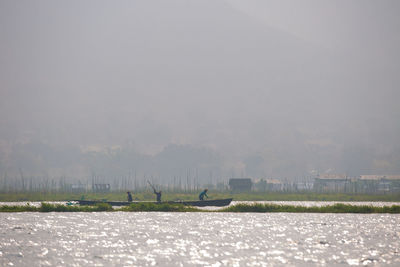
{"x":158,"y":194}
{"x":203,"y":194}
{"x":129,"y":196}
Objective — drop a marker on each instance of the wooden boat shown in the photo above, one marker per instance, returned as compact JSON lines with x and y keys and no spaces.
{"x":205,"y":203}
{"x":198,"y":203}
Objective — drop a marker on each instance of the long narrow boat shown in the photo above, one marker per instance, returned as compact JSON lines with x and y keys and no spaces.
{"x":205,"y":203}
{"x":198,"y":203}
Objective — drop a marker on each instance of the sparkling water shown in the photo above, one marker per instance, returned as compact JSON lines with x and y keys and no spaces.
{"x":198,"y":239}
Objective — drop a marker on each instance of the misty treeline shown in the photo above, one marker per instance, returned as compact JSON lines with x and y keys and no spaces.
{"x":103,"y":184}
{"x":37,"y":166}
{"x":40,"y":167}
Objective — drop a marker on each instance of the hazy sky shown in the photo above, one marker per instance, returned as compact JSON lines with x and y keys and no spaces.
{"x":240,"y":77}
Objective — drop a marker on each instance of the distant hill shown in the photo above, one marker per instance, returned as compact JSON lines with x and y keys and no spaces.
{"x":196,"y":73}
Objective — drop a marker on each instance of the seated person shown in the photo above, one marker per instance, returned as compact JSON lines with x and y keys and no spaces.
{"x":203,"y":194}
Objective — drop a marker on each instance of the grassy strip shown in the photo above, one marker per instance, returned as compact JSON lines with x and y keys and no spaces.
{"x":337,"y":208}
{"x":46,"y":207}
{"x":6,"y":208}
{"x":166,"y":207}
{"x":136,"y":207}
{"x":311,"y":196}
{"x":173,"y":196}
{"x":158,"y":207}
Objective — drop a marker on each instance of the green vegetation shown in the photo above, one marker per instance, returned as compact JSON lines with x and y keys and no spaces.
{"x":167,"y":207}
{"x":46,"y":207}
{"x":337,"y":208}
{"x":172,"y":196}
{"x":6,"y":208}
{"x":311,"y":196}
{"x":158,"y":207}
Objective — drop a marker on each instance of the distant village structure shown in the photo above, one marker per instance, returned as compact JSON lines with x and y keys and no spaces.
{"x":370,"y":184}
{"x":101,"y":188}
{"x":240,"y":184}
{"x":264,"y":185}
{"x":77,"y":188}
{"x":321,"y":183}
{"x":380,"y":183}
{"x":331,"y":183}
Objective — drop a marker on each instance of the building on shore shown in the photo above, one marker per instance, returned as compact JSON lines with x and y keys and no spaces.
{"x":240,"y":184}
{"x":332,"y":183}
{"x":379,"y":183}
{"x":264,"y":185}
{"x":274,"y":185}
{"x":77,"y":188}
{"x":101,"y":188}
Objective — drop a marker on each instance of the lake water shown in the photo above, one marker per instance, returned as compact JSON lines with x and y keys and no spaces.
{"x":198,"y":239}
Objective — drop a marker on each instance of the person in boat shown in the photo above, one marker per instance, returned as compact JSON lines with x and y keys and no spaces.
{"x":129,"y":196}
{"x":203,"y":194}
{"x":158,"y":194}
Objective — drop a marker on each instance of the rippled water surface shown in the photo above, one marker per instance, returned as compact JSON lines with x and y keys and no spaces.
{"x":198,"y":239}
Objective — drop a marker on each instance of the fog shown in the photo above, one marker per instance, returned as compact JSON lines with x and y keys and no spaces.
{"x":261,"y":89}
